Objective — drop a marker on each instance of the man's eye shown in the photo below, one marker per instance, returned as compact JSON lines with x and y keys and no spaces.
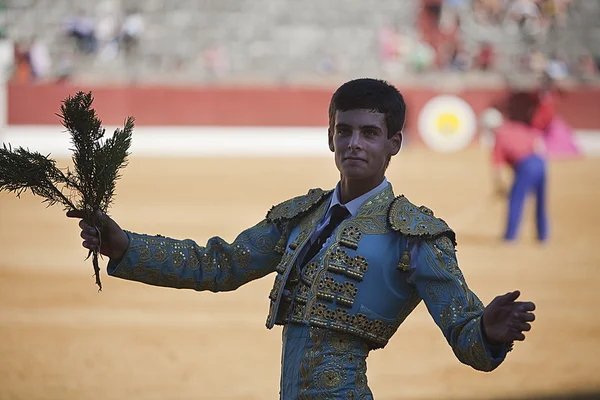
{"x":370,"y":132}
{"x":343,"y":131}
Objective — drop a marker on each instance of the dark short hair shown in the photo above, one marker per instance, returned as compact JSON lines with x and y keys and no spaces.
{"x":370,"y":94}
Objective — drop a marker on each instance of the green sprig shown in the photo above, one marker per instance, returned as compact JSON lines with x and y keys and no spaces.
{"x":97,"y":162}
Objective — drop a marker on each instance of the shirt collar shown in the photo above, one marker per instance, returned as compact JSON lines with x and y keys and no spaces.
{"x":354,"y":205}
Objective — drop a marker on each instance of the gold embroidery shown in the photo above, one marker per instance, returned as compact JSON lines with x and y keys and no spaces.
{"x":208,"y":265}
{"x":444,"y":246}
{"x":276,"y":287}
{"x":332,"y":377}
{"x":404,"y":264}
{"x":310,"y":361}
{"x":139,"y":269}
{"x":411,"y":220}
{"x":193,"y":262}
{"x":284,"y":263}
{"x":330,"y":290}
{"x":376,"y":332}
{"x":360,"y":378}
{"x":228,"y":282}
{"x":188,"y":283}
{"x":171,"y":279}
{"x":154,"y":275}
{"x":144,"y":251}
{"x":426,"y":210}
{"x":241,"y":255}
{"x":333,"y":360}
{"x":460,"y":316}
{"x":297,"y":206}
{"x":160,"y":255}
{"x":178,"y":259}
{"x":336,"y":260}
{"x":350,"y":236}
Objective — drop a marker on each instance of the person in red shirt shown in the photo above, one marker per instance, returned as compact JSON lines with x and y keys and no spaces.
{"x":521,"y":147}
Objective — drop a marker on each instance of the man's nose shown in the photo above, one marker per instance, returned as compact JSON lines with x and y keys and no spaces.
{"x":355,"y":140}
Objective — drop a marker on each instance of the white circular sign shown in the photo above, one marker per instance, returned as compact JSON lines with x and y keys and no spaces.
{"x":447,"y":123}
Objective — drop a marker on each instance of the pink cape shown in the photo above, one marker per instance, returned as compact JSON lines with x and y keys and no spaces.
{"x":559,"y":140}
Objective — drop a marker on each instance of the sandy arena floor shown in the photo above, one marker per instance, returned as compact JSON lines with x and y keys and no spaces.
{"x":60,"y":339}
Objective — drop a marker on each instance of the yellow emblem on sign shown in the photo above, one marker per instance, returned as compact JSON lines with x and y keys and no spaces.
{"x":447,"y":123}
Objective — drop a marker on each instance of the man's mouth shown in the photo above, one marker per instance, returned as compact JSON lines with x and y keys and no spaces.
{"x":354,"y":159}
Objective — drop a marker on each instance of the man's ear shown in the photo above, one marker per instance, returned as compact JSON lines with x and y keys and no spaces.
{"x":330,"y":139}
{"x":396,"y":143}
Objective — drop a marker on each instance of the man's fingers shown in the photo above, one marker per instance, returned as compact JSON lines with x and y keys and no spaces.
{"x":89,"y":237}
{"x":526,"y":306}
{"x":519,"y":336}
{"x":521,"y":326}
{"x":510,"y":296}
{"x":101,"y":216}
{"x":80,"y":214}
{"x":525,"y":317}
{"x":85,"y":227}
{"x":75,"y":214}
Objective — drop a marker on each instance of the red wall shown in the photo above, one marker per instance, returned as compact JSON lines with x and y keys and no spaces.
{"x":31,"y":104}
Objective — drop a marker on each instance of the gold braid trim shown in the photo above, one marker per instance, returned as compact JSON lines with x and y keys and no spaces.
{"x":284,"y":212}
{"x":417,"y":222}
{"x":297,"y":206}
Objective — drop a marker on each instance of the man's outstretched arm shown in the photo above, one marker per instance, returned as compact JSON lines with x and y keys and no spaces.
{"x":479,"y":336}
{"x":162,"y":261}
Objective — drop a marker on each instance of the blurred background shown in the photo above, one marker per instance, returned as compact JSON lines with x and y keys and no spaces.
{"x":230,"y":99}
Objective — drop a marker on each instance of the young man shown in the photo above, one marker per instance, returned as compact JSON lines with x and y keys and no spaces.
{"x":351,"y":263}
{"x":520,"y":146}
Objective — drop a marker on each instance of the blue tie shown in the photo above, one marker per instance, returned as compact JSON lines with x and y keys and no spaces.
{"x":338,"y":214}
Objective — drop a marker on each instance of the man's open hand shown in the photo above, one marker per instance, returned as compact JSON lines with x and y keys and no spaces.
{"x":505,"y":319}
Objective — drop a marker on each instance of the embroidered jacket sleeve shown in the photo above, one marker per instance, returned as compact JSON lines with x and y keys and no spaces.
{"x":218,"y":266}
{"x":454,"y":307}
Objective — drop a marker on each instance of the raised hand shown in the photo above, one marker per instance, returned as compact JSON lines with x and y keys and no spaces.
{"x":505,"y":319}
{"x":111,"y":241}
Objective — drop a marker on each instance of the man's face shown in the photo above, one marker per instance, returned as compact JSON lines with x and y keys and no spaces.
{"x":360,"y":142}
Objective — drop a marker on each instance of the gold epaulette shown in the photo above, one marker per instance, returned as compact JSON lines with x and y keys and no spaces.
{"x":417,"y":222}
{"x":297,"y":206}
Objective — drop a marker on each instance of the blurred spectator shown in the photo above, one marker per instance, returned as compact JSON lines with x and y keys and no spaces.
{"x":327,"y":65}
{"x":585,"y":68}
{"x":107,"y":36}
{"x":555,"y":12}
{"x":82,"y":29}
{"x":488,"y":12}
{"x":537,"y":61}
{"x":556,"y":67}
{"x":22,"y":71}
{"x":39,"y":58}
{"x":2,"y":19}
{"x":456,"y":57}
{"x":216,"y":61}
{"x":388,"y":44}
{"x":131,"y":32}
{"x":486,"y":57}
{"x":395,"y":47}
{"x":450,"y":15}
{"x":66,"y":65}
{"x":422,"y":57}
{"x":526,"y":14}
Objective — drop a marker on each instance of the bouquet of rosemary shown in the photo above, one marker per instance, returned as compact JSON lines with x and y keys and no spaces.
{"x":90,"y":186}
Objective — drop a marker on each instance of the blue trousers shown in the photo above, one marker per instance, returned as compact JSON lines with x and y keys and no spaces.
{"x":530,"y":177}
